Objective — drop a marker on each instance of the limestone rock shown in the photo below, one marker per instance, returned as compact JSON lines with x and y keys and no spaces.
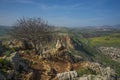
{"x":67,"y":75}
{"x":113,"y":52}
{"x":95,"y":77}
{"x":60,"y":45}
{"x":17,"y":61}
{"x":29,"y":76}
{"x":103,"y":73}
{"x":19,"y":44}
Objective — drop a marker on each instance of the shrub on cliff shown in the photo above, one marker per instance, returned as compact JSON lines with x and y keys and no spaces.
{"x":33,"y":30}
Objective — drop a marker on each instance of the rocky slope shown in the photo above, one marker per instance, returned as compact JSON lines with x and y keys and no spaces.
{"x":56,"y":63}
{"x":102,"y":73}
{"x":113,"y":52}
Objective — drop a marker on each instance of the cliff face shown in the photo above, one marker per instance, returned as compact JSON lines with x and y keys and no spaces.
{"x":66,"y":41}
{"x":57,"y":63}
{"x":100,"y":72}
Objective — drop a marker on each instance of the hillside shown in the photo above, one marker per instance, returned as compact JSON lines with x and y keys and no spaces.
{"x":110,"y":40}
{"x":4,"y":32}
{"x":72,"y":56}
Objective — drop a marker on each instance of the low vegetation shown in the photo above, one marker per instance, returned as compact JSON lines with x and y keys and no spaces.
{"x":37,"y":32}
{"x":33,"y":30}
{"x":86,"y":71}
{"x":111,"y":40}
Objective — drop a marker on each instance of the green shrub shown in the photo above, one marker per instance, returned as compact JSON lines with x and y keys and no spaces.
{"x":5,"y":64}
{"x":86,"y":71}
{"x":8,"y":52}
{"x":27,"y":52}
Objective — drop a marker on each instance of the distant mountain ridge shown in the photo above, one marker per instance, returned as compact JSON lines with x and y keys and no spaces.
{"x":103,"y":26}
{"x":3,"y":29}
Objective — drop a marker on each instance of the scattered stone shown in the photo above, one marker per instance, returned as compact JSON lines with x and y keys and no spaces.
{"x":67,"y":75}
{"x":103,"y":73}
{"x":113,"y":52}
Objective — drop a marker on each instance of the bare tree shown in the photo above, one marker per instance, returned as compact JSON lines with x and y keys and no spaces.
{"x":33,"y":30}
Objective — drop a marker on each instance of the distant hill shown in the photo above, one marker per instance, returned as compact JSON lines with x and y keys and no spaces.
{"x":117,"y":26}
{"x":3,"y":30}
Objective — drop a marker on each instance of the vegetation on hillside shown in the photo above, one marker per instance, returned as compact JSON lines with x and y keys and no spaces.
{"x":85,"y":45}
{"x":110,"y":40}
{"x":34,"y":31}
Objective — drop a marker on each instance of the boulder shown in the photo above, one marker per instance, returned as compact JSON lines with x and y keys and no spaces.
{"x":60,"y":45}
{"x":10,"y":74}
{"x":17,"y":61}
{"x":19,"y":44}
{"x":67,"y":75}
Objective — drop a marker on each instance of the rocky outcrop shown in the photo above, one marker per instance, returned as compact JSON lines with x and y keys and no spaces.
{"x":10,"y":74}
{"x":69,"y":42}
{"x":17,"y":68}
{"x":102,"y":73}
{"x":28,"y":76}
{"x":67,"y":75}
{"x":64,"y":54}
{"x":14,"y":44}
{"x":95,"y":77}
{"x":113,"y":52}
{"x":19,"y":44}
{"x":17,"y":62}
{"x":60,"y":45}
{"x":60,"y":51}
{"x":58,"y":63}
{"x":2,"y":77}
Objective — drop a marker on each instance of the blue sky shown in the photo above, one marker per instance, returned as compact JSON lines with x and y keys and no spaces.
{"x":71,"y":13}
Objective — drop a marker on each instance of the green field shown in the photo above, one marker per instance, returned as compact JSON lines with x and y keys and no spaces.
{"x":111,"y":40}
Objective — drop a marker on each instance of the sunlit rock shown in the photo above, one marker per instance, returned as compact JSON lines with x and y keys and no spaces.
{"x":67,"y":75}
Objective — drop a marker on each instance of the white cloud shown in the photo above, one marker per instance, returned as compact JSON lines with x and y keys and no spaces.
{"x":25,"y":1}
{"x":46,"y":5}
{"x":54,"y":6}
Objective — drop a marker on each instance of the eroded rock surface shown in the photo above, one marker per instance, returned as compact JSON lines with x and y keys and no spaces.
{"x":56,"y":63}
{"x":102,"y":73}
{"x":113,"y":52}
{"x":67,"y":75}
